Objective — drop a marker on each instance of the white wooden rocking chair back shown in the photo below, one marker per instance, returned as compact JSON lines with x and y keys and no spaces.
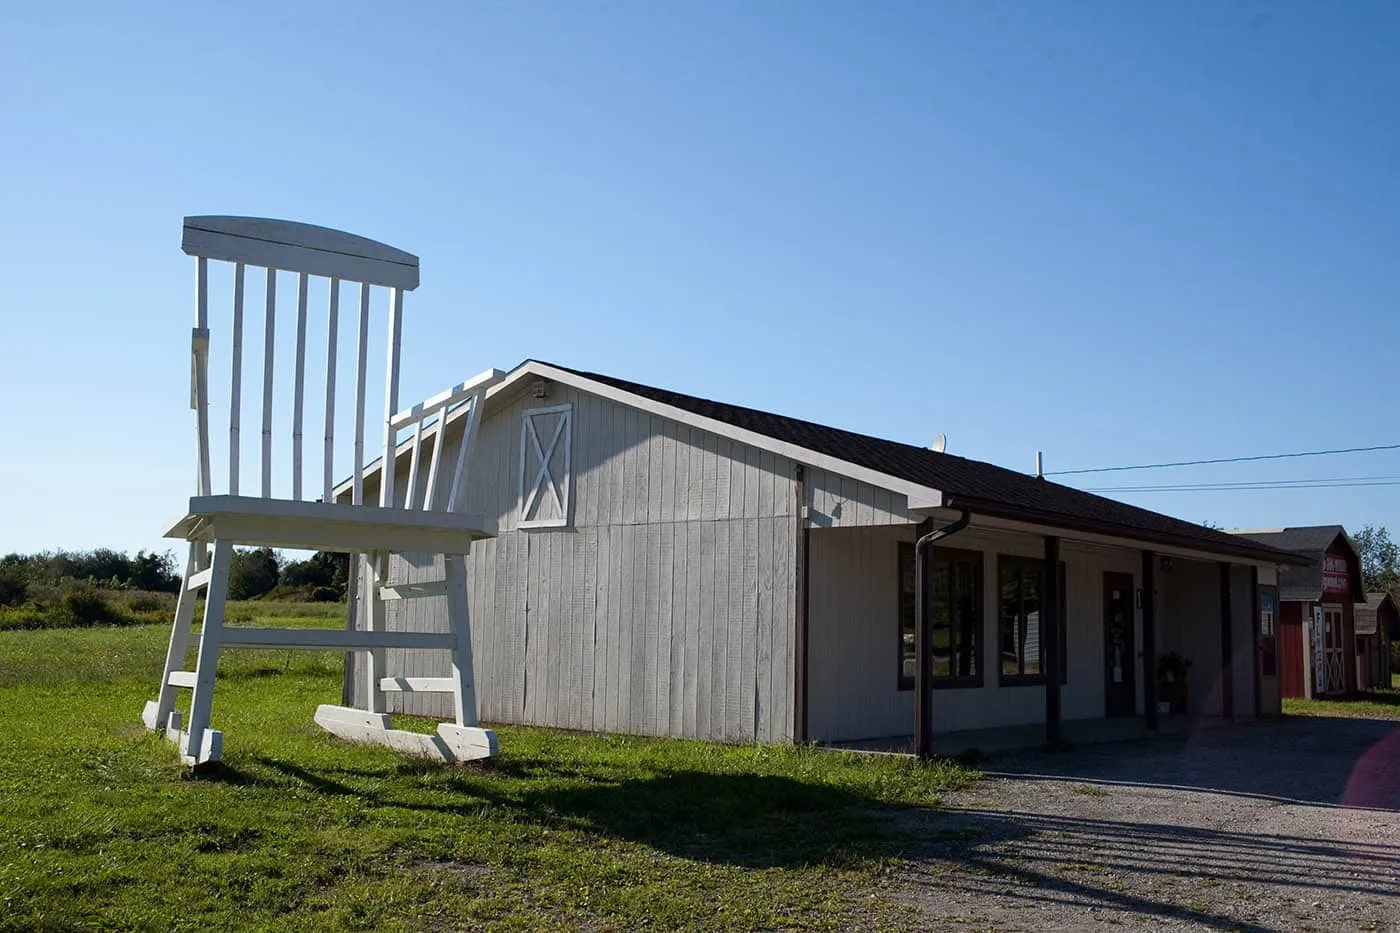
{"x":424,"y":516}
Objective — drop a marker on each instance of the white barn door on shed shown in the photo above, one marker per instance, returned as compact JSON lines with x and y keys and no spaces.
{"x":545,"y":481}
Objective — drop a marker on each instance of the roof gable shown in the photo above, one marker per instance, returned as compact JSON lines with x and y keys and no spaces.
{"x":941,"y":479}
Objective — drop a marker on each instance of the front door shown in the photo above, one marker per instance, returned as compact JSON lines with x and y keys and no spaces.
{"x":1334,"y":651}
{"x":1120,"y":688}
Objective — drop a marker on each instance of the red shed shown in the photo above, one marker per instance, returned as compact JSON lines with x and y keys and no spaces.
{"x":1317,"y":646}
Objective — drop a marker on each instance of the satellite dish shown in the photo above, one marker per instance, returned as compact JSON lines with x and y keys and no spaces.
{"x":939,"y":443}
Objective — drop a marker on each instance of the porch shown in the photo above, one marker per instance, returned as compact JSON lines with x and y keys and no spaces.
{"x":995,"y":625}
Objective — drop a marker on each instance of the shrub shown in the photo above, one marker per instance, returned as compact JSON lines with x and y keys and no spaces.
{"x":254,"y":573}
{"x":87,"y":607}
{"x":14,"y":585}
{"x":325,"y":594}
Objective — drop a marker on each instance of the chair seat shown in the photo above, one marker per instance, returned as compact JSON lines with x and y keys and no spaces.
{"x":328,"y":526}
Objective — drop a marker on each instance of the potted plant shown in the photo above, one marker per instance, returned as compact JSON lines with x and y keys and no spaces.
{"x":1171,"y":680}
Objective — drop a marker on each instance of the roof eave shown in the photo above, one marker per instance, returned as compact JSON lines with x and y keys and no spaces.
{"x":1260,"y":553}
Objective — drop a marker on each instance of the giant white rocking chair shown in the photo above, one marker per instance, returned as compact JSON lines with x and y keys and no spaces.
{"x":423,"y":518}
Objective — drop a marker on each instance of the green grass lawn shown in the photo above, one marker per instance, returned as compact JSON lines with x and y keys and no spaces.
{"x":100,"y":825}
{"x":1375,"y":704}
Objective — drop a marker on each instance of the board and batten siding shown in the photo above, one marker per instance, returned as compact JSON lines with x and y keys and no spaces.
{"x":666,"y":605}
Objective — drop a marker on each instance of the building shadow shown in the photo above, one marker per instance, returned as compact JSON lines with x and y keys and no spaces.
{"x":738,"y":819}
{"x":1321,"y":761}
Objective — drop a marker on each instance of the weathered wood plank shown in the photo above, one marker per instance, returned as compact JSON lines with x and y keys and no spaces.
{"x":665,"y":563}
{"x":646,"y":621}
{"x":705,"y":630}
{"x":763,"y":664}
{"x":603,"y":669}
{"x":748,"y":646}
{"x":676,"y":593}
{"x":719,"y":678}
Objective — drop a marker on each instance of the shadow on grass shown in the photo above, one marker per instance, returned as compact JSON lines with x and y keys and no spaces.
{"x":739,"y":819}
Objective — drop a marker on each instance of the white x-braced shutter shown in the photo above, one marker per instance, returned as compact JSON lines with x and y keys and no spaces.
{"x":545,"y":478}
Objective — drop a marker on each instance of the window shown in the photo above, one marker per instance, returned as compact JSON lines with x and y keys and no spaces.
{"x":545,"y":478}
{"x":955,"y":617}
{"x":1020,"y":585}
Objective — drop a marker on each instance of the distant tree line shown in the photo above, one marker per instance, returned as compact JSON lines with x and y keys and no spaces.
{"x":258,"y":572}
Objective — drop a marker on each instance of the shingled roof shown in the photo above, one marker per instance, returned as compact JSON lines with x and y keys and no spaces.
{"x":1367,"y":613}
{"x":1303,"y":581}
{"x":983,"y":488}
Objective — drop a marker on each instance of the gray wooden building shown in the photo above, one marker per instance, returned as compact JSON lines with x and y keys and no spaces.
{"x":669,"y":565}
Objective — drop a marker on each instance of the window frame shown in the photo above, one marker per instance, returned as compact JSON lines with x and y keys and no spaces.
{"x":943,"y":681}
{"x":1038,"y":679}
{"x":566,"y":484}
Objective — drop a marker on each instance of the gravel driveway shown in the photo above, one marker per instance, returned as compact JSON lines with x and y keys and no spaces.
{"x":1291,"y":824}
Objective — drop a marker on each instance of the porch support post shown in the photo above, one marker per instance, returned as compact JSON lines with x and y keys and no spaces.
{"x":1050,"y":623}
{"x":1149,"y":640}
{"x":923,"y":667}
{"x":1227,"y":646}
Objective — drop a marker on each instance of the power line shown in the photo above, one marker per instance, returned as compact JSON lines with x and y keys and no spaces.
{"x":1359,"y":482}
{"x":1181,"y":463}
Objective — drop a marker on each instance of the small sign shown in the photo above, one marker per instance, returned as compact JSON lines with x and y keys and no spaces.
{"x":1335,"y":578}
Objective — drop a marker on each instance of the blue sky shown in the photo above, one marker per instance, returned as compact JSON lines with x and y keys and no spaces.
{"x":1117,"y":232}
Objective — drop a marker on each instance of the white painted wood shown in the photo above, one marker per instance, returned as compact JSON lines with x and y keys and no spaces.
{"x":430,"y":496}
{"x":300,"y":247}
{"x":202,"y":700}
{"x":458,"y":613}
{"x":299,"y":385}
{"x":328,"y":450}
{"x":182,"y":679}
{"x":362,"y":359}
{"x":464,"y":451}
{"x":235,"y":412}
{"x":199,"y":580}
{"x":547,"y":466}
{"x":418,"y":684}
{"x":332,"y":639}
{"x":374,"y":571}
{"x":199,"y":375}
{"x":474,"y":386}
{"x":414,"y":590}
{"x":180,"y":633}
{"x":411,"y":489}
{"x":391,"y":398}
{"x":269,"y":345}
{"x":451,"y":743}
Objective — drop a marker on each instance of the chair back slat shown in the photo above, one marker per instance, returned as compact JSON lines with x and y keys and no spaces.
{"x":235,"y":402}
{"x":464,"y":450}
{"x":417,"y":450}
{"x":391,"y":399}
{"x":299,"y":385}
{"x":199,"y":376}
{"x":269,"y":345}
{"x":358,"y":489}
{"x":332,"y":335}
{"x":430,"y":488}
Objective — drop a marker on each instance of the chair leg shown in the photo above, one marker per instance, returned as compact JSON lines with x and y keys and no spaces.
{"x":459,"y":619}
{"x":157,"y":715}
{"x":372,"y":571}
{"x":202,"y":743}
